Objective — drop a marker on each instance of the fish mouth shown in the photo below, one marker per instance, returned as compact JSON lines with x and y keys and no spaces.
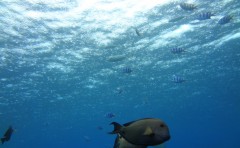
{"x":166,"y":138}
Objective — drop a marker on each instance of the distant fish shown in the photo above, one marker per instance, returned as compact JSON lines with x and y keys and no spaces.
{"x":178,"y":79}
{"x":110,"y":115}
{"x":7,"y":135}
{"x":100,"y":128}
{"x":137,"y":32}
{"x":86,"y":138}
{"x":226,"y":19}
{"x":118,"y":90}
{"x":116,"y":58}
{"x":177,"y":50}
{"x":45,"y":124}
{"x":127,"y":70}
{"x":188,"y":6}
{"x":176,"y":19}
{"x":205,"y":15}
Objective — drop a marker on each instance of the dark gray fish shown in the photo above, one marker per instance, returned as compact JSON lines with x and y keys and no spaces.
{"x":188,"y":6}
{"x":144,"y":132}
{"x":178,"y":79}
{"x":205,"y":15}
{"x":177,"y":50}
{"x":127,"y":70}
{"x":226,"y":19}
{"x":176,"y":19}
{"x":7,"y":135}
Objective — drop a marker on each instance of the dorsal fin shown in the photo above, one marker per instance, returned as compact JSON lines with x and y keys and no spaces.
{"x":127,"y":124}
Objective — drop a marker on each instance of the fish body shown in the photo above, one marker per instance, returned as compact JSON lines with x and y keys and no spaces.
{"x":127,"y":70}
{"x":7,"y":135}
{"x":205,"y":15}
{"x":224,"y":20}
{"x":143,"y":132}
{"x":110,"y":115}
{"x":178,"y":79}
{"x":177,"y":50}
{"x":120,"y":142}
{"x":116,"y":58}
{"x":187,"y":6}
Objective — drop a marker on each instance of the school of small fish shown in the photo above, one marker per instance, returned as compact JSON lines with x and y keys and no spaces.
{"x":148,"y":131}
{"x":126,"y":138}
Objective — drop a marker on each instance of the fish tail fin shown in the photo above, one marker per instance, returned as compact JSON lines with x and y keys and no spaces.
{"x":116,"y":129}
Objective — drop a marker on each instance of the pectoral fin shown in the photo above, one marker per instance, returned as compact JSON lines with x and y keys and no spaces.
{"x":148,"y":132}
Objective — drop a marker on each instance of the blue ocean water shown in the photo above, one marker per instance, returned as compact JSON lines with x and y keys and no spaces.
{"x":60,"y":75}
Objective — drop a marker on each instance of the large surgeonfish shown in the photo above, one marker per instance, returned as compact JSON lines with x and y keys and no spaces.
{"x":143,"y":132}
{"x":7,"y":135}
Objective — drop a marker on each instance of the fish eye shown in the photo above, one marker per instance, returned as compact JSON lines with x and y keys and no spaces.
{"x":162,"y":125}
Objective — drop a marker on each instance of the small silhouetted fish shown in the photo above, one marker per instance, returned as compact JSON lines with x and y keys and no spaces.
{"x":205,"y":15}
{"x":86,"y":138}
{"x":177,"y":50}
{"x":118,"y":90}
{"x":224,"y":20}
{"x":137,"y":32}
{"x":116,"y":58}
{"x":177,"y":79}
{"x":7,"y":135}
{"x":176,"y":19}
{"x":110,"y":115}
{"x":127,"y":70}
{"x":99,"y":127}
{"x":188,"y":6}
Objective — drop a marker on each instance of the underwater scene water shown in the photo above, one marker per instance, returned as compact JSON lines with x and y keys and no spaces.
{"x":68,"y":68}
